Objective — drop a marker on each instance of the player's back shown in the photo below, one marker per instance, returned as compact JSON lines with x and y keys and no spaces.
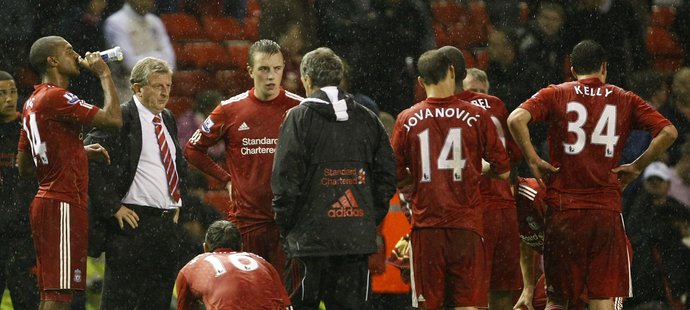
{"x":52,"y":128}
{"x":235,"y":280}
{"x":589,"y":122}
{"x":442,"y":141}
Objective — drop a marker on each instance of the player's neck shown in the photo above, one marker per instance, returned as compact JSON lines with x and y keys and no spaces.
{"x":56,"y":79}
{"x":438,"y":91}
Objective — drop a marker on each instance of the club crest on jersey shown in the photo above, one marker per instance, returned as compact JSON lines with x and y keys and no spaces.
{"x":207,"y":125}
{"x":71,"y":98}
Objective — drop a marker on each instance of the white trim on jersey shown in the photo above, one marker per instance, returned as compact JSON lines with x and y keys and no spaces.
{"x":366,"y":293}
{"x":627,"y":253}
{"x":65,"y":247}
{"x":415,"y":302}
{"x":293,"y":96}
{"x":527,"y":192}
{"x":235,"y":98}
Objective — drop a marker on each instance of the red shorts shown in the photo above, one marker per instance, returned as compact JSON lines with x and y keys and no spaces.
{"x":502,"y":242}
{"x":264,"y":240}
{"x":586,"y":254}
{"x":60,"y":233}
{"x":447,"y":268}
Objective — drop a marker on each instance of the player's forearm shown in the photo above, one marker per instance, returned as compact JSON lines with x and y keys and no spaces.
{"x":527,"y":265}
{"x":517,"y":124}
{"x":25,"y":165}
{"x":657,"y":146}
{"x":111,"y":106}
{"x":201,"y":160}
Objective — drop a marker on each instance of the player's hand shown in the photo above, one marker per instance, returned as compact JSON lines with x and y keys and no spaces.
{"x":525,"y":300}
{"x":96,"y":152}
{"x":541,"y":170}
{"x":94,"y":63}
{"x":128,"y":215}
{"x":176,"y":218}
{"x":626,"y":174}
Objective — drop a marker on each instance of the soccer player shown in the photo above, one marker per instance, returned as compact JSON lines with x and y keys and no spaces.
{"x":50,"y":146}
{"x":248,"y":124}
{"x":224,"y":278}
{"x":501,"y":240}
{"x":439,"y":145}
{"x":585,"y":247}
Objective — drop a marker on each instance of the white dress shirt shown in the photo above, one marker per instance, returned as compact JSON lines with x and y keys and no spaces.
{"x":150,"y":185}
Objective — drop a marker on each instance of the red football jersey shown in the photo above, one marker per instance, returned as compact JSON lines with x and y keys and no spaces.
{"x":529,"y":199}
{"x":52,"y":131}
{"x":249,"y":127}
{"x":442,"y":143}
{"x":230,"y":280}
{"x":497,"y":193}
{"x":589,"y":122}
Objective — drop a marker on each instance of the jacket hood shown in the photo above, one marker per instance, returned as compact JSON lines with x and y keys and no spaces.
{"x":329,"y":102}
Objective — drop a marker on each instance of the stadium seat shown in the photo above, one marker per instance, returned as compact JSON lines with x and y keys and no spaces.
{"x":447,"y":12}
{"x":251,"y":28}
{"x":179,"y":105}
{"x":482,"y":57}
{"x":662,"y":16}
{"x":442,"y":37}
{"x":208,"y":55}
{"x":239,"y":53}
{"x":666,"y":54}
{"x":253,"y":9}
{"x":186,"y":83}
{"x":222,"y":28}
{"x":182,"y":27}
{"x":233,"y":82}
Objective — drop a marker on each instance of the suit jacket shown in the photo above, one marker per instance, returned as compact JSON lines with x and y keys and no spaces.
{"x":108,"y":184}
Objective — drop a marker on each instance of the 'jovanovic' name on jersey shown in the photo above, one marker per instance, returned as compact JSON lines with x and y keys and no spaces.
{"x":457,"y":113}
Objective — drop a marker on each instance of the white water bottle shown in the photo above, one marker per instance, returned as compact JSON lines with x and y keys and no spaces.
{"x":113,"y":54}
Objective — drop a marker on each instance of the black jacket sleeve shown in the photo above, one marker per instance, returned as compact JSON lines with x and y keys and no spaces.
{"x":383,"y":171}
{"x":289,"y":170}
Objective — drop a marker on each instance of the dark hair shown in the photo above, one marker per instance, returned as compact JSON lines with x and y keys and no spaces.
{"x":323,"y":66}
{"x":458,"y":60}
{"x":263,"y":46}
{"x":5,"y":76}
{"x":587,"y":57}
{"x":223,"y":234}
{"x":41,"y":50}
{"x":433,"y":66}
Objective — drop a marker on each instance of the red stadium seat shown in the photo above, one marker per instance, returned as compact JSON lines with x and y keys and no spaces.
{"x":182,"y":27}
{"x":222,"y":28}
{"x":482,"y":57}
{"x":662,"y":16}
{"x":441,"y":35}
{"x":186,"y":83}
{"x":666,"y":54}
{"x":233,"y":82}
{"x":239,"y":53}
{"x":447,"y":12}
{"x":253,"y":9}
{"x":251,"y":28}
{"x":180,"y":105}
{"x":208,"y":55}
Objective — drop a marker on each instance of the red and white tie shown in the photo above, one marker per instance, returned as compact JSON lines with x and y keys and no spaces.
{"x":168,"y":163}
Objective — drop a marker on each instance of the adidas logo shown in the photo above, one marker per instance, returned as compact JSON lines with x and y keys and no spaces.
{"x":243,"y":127}
{"x":346,"y":206}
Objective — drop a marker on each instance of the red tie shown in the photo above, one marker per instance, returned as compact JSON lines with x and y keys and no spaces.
{"x":170,"y":172}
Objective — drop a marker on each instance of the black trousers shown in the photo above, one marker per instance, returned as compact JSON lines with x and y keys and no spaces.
{"x":341,"y":282}
{"x":17,"y":258}
{"x":141,"y":264}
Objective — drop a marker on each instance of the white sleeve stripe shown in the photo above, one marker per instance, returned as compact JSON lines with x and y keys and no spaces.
{"x":235,"y":98}
{"x":527,"y":194}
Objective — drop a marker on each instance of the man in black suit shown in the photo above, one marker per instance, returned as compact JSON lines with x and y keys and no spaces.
{"x":134,"y":215}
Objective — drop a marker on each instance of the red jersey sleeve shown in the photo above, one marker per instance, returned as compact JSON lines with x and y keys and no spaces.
{"x":196,"y":151}
{"x":647,"y":118}
{"x":535,"y":105}
{"x":23,"y":145}
{"x":495,"y":153}
{"x":185,"y":299}
{"x":67,"y":106}
{"x":398,"y":143}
